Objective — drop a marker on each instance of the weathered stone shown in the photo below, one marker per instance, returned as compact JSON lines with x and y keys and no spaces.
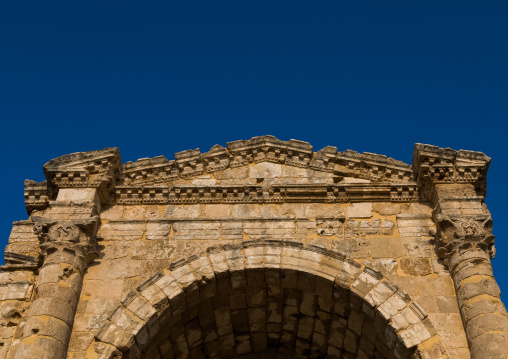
{"x":415,"y":266}
{"x":263,"y":244}
{"x":386,"y":208}
{"x":386,"y":247}
{"x":359,"y":210}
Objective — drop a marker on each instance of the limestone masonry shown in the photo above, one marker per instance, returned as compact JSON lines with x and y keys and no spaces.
{"x":261,"y":249}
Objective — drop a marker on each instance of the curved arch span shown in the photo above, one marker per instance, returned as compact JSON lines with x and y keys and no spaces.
{"x":257,"y":297}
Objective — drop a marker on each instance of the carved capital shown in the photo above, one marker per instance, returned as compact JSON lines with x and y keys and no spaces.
{"x":76,"y":236}
{"x":458,"y":234}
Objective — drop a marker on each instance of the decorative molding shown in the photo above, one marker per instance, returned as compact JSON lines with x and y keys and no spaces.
{"x":277,"y":193}
{"x":95,"y":169}
{"x":37,"y":195}
{"x":434,"y":165}
{"x":15,"y":261}
{"x":156,"y":180}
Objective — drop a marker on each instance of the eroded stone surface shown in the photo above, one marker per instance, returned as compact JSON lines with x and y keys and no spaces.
{"x":261,"y":248}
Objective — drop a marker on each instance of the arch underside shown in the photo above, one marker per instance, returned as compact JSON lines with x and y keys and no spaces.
{"x":270,"y":300}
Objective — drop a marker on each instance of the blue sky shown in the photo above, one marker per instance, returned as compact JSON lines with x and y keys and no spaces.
{"x":158,"y":77}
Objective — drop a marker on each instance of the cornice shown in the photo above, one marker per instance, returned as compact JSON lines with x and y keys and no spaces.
{"x":159,"y":180}
{"x":95,"y":169}
{"x":434,"y":165}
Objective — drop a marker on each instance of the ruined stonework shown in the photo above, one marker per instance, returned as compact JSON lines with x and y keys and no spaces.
{"x":261,"y":249}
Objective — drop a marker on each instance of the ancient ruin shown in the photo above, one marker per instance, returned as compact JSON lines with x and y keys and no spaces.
{"x":261,"y":249}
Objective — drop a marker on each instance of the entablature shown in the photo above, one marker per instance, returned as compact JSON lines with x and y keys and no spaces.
{"x":161,"y":181}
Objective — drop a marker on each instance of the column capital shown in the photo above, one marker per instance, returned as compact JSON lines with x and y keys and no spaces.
{"x":458,"y":234}
{"x":75,"y":237}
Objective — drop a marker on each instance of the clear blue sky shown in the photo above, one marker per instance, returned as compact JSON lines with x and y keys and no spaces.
{"x":158,"y":77}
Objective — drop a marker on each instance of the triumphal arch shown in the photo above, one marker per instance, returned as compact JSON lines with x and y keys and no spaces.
{"x":261,"y":249}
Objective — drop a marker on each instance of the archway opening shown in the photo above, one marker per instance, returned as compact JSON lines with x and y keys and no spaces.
{"x":269,"y":300}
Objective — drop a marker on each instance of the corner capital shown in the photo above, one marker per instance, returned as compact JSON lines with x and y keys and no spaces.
{"x":76,"y":236}
{"x":459,"y":234}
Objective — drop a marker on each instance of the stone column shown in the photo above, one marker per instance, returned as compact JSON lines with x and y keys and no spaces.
{"x":466,"y":245}
{"x":66,"y":223}
{"x":67,"y":248}
{"x":455,"y":182}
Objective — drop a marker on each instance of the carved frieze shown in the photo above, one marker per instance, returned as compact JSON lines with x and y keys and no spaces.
{"x":276,"y":193}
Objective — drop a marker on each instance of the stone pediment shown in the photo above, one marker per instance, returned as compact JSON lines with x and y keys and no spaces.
{"x":266,"y":149}
{"x":260,"y":170}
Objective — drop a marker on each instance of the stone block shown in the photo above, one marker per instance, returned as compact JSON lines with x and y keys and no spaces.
{"x":116,"y":249}
{"x":103,"y":288}
{"x":486,"y":323}
{"x":386,"y":247}
{"x":388,"y":227}
{"x":447,"y":304}
{"x":246,"y":211}
{"x":22,"y":231}
{"x":114,"y":269}
{"x":196,"y":230}
{"x":142,"y":212}
{"x":218,"y":210}
{"x":122,"y":230}
{"x":79,"y":342}
{"x":232,"y":229}
{"x":236,"y":173}
{"x":417,"y":247}
{"x":182,"y":211}
{"x":352,"y":248}
{"x":359,"y":210}
{"x":270,"y":229}
{"x":158,"y":230}
{"x":414,"y":335}
{"x":265,"y":170}
{"x":386,"y":208}
{"x":315,"y":210}
{"x":223,"y":320}
{"x":442,"y":286}
{"x":453,"y":339}
{"x":370,"y":227}
{"x":77,"y":195}
{"x":415,"y":266}
{"x":48,"y":327}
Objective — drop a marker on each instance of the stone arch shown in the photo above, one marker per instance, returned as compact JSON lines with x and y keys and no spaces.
{"x":240,"y":299}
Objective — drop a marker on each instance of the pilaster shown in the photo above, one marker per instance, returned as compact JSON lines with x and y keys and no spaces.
{"x":455,"y":182}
